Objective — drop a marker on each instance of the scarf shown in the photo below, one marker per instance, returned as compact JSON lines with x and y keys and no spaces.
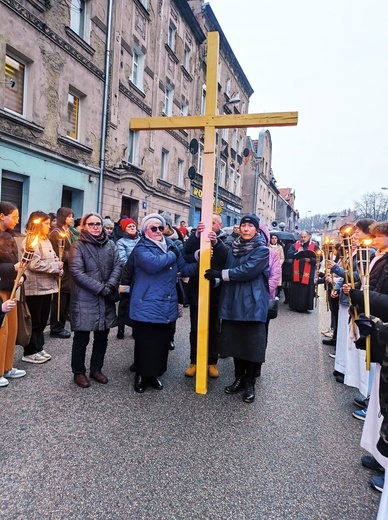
{"x":162,"y":244}
{"x":242,"y":247}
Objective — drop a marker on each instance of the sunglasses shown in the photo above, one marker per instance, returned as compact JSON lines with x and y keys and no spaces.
{"x":94,"y":224}
{"x":154,"y":229}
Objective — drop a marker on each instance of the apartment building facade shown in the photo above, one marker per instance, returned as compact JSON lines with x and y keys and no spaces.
{"x":77,"y":71}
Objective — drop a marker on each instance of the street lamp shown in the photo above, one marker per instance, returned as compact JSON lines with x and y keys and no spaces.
{"x":233,"y":101}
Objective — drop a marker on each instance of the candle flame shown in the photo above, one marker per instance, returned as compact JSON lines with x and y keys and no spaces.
{"x":318,"y":252}
{"x":347,"y":229}
{"x":63,"y":235}
{"x":366,"y":242}
{"x":36,"y":221}
{"x":33,"y":242}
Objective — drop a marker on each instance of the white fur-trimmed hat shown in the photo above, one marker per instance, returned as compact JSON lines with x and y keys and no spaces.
{"x":152,"y":216}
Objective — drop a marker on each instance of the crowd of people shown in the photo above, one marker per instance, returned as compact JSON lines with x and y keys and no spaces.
{"x":98,"y":274}
{"x":357,"y":284}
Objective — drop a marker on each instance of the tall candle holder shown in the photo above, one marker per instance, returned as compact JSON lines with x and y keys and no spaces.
{"x":328,"y":252}
{"x":318,"y":256}
{"x":346,"y":232}
{"x":363,"y":252}
{"x":32,"y":240}
{"x":61,"y":248}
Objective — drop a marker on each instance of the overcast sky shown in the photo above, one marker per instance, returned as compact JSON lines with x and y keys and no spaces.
{"x":328,"y":61}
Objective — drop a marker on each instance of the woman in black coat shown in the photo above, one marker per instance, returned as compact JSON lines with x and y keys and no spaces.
{"x":96,"y":270}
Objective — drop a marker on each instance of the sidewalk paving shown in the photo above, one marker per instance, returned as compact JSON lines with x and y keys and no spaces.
{"x":106,"y":452}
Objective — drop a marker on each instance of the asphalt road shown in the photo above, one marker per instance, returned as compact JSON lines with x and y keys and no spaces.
{"x":108,"y":453}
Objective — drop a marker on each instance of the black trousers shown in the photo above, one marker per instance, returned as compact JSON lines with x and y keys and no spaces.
{"x":244,"y":368}
{"x":123,"y":312}
{"x":55,"y":325}
{"x":78,"y":353}
{"x":214,"y":335}
{"x":40,"y":309}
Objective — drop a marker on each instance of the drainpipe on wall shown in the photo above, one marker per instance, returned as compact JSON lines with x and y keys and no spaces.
{"x":104,"y":123}
{"x":254,"y":209}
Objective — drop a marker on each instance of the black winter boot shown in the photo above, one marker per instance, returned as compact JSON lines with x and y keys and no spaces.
{"x":239,"y":384}
{"x":249,"y":394}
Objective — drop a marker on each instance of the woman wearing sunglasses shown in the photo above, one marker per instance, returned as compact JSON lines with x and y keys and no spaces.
{"x":96,"y":270}
{"x":154,"y":300}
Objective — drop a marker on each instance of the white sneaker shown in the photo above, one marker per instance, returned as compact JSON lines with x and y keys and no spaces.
{"x":14,"y":373}
{"x":3,"y":381}
{"x":45,"y":354}
{"x":34,"y":358}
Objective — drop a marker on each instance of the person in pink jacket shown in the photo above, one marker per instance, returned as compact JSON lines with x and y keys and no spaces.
{"x":275,"y":274}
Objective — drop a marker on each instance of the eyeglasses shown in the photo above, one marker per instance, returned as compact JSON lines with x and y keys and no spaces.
{"x":94,"y":224}
{"x":154,"y":229}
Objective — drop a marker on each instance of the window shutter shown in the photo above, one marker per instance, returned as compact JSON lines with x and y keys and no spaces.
{"x":72,"y":116}
{"x":13,"y":97}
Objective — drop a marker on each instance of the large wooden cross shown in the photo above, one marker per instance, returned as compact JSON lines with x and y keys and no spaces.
{"x":209,"y":122}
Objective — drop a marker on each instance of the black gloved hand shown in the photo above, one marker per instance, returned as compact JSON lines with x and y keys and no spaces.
{"x":107,"y":290}
{"x":212,"y":274}
{"x":175,"y":250}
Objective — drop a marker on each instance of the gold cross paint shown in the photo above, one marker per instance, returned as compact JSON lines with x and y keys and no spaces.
{"x":209,"y":122}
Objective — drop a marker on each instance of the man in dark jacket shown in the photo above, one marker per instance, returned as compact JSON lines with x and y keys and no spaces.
{"x":191,"y":245}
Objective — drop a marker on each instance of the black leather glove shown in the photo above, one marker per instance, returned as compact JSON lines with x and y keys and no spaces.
{"x":175,"y":250}
{"x":212,"y":274}
{"x":107,"y":290}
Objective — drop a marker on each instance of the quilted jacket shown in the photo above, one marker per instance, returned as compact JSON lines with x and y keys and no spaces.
{"x":93,"y":264}
{"x":154,"y":296}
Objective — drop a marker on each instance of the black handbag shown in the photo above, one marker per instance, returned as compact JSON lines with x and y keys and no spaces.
{"x":24,"y":320}
{"x":181,"y":291}
{"x":273,"y":307}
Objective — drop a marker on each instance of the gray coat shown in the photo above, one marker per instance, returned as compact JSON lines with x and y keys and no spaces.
{"x":93,"y":265}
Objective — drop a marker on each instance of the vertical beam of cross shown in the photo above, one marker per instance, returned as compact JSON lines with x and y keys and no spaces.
{"x":209,"y":161}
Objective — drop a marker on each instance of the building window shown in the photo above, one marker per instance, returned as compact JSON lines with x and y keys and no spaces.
{"x":186,"y":57}
{"x":171,"y":36}
{"x":238,"y":183}
{"x":180,"y":173}
{"x":203,"y":100}
{"x":200,"y":158}
{"x":137,"y":68}
{"x":164,"y":165}
{"x":227,"y":87}
{"x":232,"y":187}
{"x":234,"y":139}
{"x":14,"y":89}
{"x":243,"y":107}
{"x":77,"y":17}
{"x":133,"y":148}
{"x":168,"y":99}
{"x":73,"y":114}
{"x":184,"y":108}
{"x":225,"y":134}
{"x":221,"y":175}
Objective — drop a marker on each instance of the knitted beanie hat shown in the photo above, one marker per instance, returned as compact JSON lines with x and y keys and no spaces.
{"x":152,"y":216}
{"x":124,"y":222}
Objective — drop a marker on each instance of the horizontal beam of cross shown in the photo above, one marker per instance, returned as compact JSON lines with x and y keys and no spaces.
{"x":215,"y":121}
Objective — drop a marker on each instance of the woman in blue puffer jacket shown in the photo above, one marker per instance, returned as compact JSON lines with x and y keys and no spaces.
{"x":154,"y":300}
